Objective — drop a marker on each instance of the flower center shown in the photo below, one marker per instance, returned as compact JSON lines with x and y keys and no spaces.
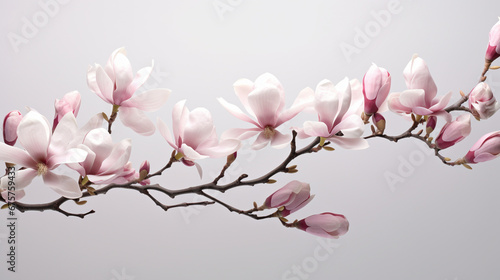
{"x":42,"y":169}
{"x":269,"y":132}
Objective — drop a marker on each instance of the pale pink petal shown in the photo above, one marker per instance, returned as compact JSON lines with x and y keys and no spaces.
{"x":242,"y":88}
{"x":190,"y":153}
{"x":69,"y":156}
{"x":180,"y":115}
{"x":412,"y":98}
{"x":280,"y":140}
{"x":304,"y":99}
{"x":394,"y":103}
{"x":198,"y":128}
{"x":21,"y":180}
{"x":265,"y":102}
{"x":109,"y":64}
{"x":441,"y":102}
{"x":357,"y":98}
{"x":123,"y":78}
{"x":162,"y":127}
{"x":18,"y":195}
{"x":240,"y":133}
{"x":15,"y":155}
{"x":140,"y":78}
{"x":34,"y":135}
{"x":327,"y":102}
{"x":199,"y":169}
{"x":150,"y":100}
{"x":94,"y":122}
{"x":224,"y":148}
{"x":269,"y":80}
{"x":62,"y":185}
{"x":313,"y":128}
{"x":118,"y":157}
{"x":63,"y":134}
{"x":260,"y":142}
{"x":105,"y":85}
{"x":444,"y":114}
{"x":353,"y":124}
{"x":235,"y":111}
{"x":92,"y":83}
{"x":136,"y":120}
{"x":349,"y":143}
{"x":422,"y":111}
{"x":344,"y":88}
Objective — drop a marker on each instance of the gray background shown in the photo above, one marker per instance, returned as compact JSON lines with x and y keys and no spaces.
{"x":436,"y":223}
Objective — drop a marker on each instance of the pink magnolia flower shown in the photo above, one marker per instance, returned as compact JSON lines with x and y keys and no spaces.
{"x":338,"y":107}
{"x":264,"y":100}
{"x":493,"y":51}
{"x":482,"y":103}
{"x":106,"y":162}
{"x":420,"y":98}
{"x":116,"y":84}
{"x":292,"y":197}
{"x":69,"y":103}
{"x":486,"y":148}
{"x":327,"y":225}
{"x":194,"y":135}
{"x":10,"y":124}
{"x":376,"y":86}
{"x":44,"y":152}
{"x":454,"y":132}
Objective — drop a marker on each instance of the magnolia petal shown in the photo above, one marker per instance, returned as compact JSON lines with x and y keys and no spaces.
{"x":344,"y":89}
{"x":235,"y":111}
{"x":260,"y":142}
{"x":63,"y":134}
{"x":140,"y":78}
{"x":34,"y":135}
{"x":199,"y":169}
{"x":353,"y":123}
{"x":22,"y":179}
{"x":447,"y":116}
{"x":199,"y":128}
{"x":18,"y":194}
{"x":224,"y":148}
{"x":190,"y":153}
{"x":123,"y":77}
{"x":69,"y":156}
{"x":265,"y":103}
{"x":92,"y":82}
{"x":240,"y":133}
{"x":162,"y":127}
{"x":326,"y":102}
{"x":412,"y":98}
{"x":62,"y":185}
{"x":15,"y":155}
{"x":441,"y":102}
{"x":180,"y":115}
{"x":280,"y":140}
{"x":304,"y":100}
{"x":105,"y":84}
{"x":118,"y":157}
{"x":242,"y":88}
{"x":150,"y":100}
{"x":313,"y":128}
{"x":357,"y":98}
{"x":136,"y":120}
{"x":395,"y":105}
{"x":349,"y":143}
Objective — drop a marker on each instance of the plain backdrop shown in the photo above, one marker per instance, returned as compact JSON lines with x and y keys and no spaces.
{"x":433,"y":222}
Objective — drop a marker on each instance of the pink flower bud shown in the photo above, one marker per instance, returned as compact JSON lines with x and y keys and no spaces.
{"x":493,"y":50}
{"x":430,"y":124}
{"x":376,"y":86}
{"x":69,"y":103}
{"x":145,"y":166}
{"x":379,"y":122}
{"x":10,"y":123}
{"x":454,"y":132}
{"x":293,"y":196}
{"x":486,"y":148}
{"x":482,"y":102}
{"x":327,"y":225}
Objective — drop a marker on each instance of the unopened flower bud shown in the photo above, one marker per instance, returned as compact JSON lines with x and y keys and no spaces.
{"x":376,"y":86}
{"x":327,"y":225}
{"x":454,"y":132}
{"x":291,"y":197}
{"x":379,"y":122}
{"x":430,"y":125}
{"x":486,"y":148}
{"x":69,"y":103}
{"x":493,"y":50}
{"x":144,"y":170}
{"x":482,"y":103}
{"x":10,"y":124}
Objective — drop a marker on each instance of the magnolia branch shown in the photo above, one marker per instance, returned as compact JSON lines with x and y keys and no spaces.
{"x":172,"y":193}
